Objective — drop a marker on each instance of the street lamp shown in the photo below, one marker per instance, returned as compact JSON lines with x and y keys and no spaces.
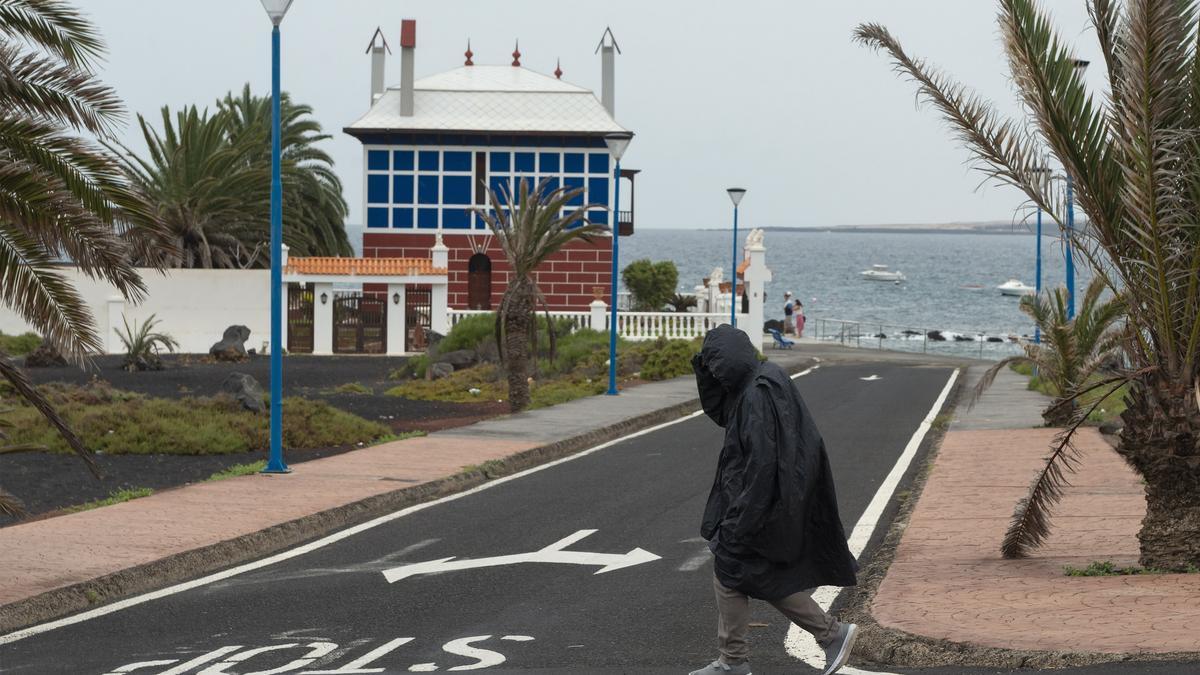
{"x":735,"y":195}
{"x":1080,"y":67}
{"x":617,"y":143}
{"x":276,"y":9}
{"x":1037,"y":330}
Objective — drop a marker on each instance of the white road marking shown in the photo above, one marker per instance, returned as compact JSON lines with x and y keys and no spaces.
{"x":194,"y":663}
{"x":553,"y":553}
{"x":798,"y":642}
{"x":141,"y":664}
{"x":359,"y":666}
{"x":333,"y":538}
{"x":462,"y":647}
{"x":517,"y":638}
{"x":316,"y":651}
{"x":872,"y":378}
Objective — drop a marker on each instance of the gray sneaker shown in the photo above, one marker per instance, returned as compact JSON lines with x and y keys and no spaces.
{"x":718,"y":668}
{"x":838,"y":651}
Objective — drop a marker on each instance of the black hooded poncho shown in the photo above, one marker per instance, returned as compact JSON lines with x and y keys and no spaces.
{"x":772,"y":516}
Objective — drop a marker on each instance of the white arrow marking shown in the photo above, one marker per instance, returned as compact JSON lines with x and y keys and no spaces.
{"x":553,"y":553}
{"x":871,"y":378}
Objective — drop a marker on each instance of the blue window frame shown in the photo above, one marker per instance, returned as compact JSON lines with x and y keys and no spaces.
{"x":574,"y":182}
{"x":427,"y":160}
{"x":456,"y":190}
{"x":377,"y":188}
{"x":377,"y":160}
{"x":597,"y":216}
{"x":427,"y":218}
{"x":427,"y":189}
{"x":402,"y":189}
{"x":597,"y":191}
{"x":548,"y":162}
{"x":499,"y":161}
{"x":597,"y":162}
{"x":402,"y":218}
{"x":573,"y":162}
{"x":523,"y":161}
{"x":377,"y":217}
{"x":551,"y":184}
{"x":456,"y":219}
{"x":402,"y":160}
{"x":456,"y":161}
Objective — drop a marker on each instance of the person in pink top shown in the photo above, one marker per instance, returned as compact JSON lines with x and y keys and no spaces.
{"x":799,"y":312}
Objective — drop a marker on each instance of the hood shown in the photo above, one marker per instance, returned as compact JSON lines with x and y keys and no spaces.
{"x":724,"y":368}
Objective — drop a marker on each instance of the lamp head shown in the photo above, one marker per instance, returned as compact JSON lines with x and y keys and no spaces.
{"x":276,"y":9}
{"x":736,"y":194}
{"x":1080,"y":65}
{"x":617,"y":143}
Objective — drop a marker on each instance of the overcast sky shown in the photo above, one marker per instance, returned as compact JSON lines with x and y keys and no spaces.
{"x":771,"y":96}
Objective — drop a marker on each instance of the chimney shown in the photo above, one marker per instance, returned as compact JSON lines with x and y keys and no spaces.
{"x":378,"y":49}
{"x":608,"y":49}
{"x":408,"y":43}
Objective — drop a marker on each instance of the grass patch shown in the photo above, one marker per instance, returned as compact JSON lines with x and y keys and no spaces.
{"x":1108,"y":569}
{"x":1110,"y":409}
{"x":19,"y":345}
{"x":942,"y":421}
{"x":112,"y":421}
{"x":116,"y":497}
{"x":238,"y":470}
{"x":353,"y":388}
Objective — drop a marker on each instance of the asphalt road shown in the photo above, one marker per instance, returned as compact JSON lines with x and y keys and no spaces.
{"x":333,"y":610}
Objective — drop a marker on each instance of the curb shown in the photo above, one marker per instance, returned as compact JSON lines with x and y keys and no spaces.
{"x":180,"y":567}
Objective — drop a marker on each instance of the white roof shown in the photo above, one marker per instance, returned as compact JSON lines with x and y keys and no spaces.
{"x":499,"y":99}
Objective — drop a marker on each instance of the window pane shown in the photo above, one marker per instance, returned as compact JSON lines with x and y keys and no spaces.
{"x":428,"y":160}
{"x":457,"y":161}
{"x":455,"y":218}
{"x":402,"y":160}
{"x":427,"y":218}
{"x":597,"y":191}
{"x":499,"y":161}
{"x":574,"y":182}
{"x":524,"y":162}
{"x":402,"y":218}
{"x":597,"y":216}
{"x":456,"y":190}
{"x":427,"y":189}
{"x":573,"y":162}
{"x":501,"y":186}
{"x":377,"y":217}
{"x":402,"y":189}
{"x":377,"y":189}
{"x":598,"y":162}
{"x":377,"y":160}
{"x":548,"y":162}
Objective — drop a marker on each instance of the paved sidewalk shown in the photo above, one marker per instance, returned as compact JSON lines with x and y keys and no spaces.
{"x":60,"y":565}
{"x":948,"y":580}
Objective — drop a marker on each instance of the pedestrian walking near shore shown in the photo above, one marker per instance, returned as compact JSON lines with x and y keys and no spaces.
{"x":800,"y":318}
{"x":772,"y":518}
{"x":789,"y":309}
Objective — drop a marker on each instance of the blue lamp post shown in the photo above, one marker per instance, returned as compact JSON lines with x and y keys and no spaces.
{"x":1080,"y":67}
{"x":617,"y":143}
{"x":735,"y":195}
{"x":276,"y":9}
{"x":1037,"y":330}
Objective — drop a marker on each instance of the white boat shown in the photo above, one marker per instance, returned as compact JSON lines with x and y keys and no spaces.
{"x":882,"y":273}
{"x":1016,"y":288}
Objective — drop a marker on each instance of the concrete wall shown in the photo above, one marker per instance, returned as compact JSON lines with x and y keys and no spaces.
{"x":193,"y":306}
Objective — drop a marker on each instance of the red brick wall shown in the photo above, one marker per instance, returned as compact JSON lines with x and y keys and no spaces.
{"x":566,"y":278}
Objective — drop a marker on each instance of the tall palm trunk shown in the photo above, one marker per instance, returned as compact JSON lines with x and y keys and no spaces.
{"x":1161,"y":440}
{"x":518,"y":318}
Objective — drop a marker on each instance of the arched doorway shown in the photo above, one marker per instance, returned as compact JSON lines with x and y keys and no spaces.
{"x":479,"y":282}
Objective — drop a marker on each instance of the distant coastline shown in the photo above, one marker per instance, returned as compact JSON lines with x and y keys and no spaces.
{"x":995,"y":227}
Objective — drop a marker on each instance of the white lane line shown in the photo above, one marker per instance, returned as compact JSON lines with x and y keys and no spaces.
{"x":798,"y":642}
{"x":326,"y":541}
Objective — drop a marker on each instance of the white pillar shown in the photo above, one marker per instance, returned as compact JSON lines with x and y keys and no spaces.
{"x":714,"y":292}
{"x":322,"y":319}
{"x":440,"y":253}
{"x":283,"y":320}
{"x":756,"y":277}
{"x":439,"y":300}
{"x":116,"y":315}
{"x":599,"y":315}
{"x":396,"y":330}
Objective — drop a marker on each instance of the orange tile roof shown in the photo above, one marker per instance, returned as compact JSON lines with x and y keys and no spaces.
{"x":363,"y":266}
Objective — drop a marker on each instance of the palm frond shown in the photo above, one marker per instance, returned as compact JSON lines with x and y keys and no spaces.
{"x":25,"y":389}
{"x":989,"y":377}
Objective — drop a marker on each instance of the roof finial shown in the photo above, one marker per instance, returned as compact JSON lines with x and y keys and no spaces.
{"x":469,"y":54}
{"x":558,"y":69}
{"x":517,"y":54}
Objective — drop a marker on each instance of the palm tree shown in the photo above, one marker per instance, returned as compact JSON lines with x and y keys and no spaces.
{"x":529,"y":228}
{"x":1072,"y":351}
{"x":61,"y":195}
{"x":209,"y":178}
{"x":1135,"y":161}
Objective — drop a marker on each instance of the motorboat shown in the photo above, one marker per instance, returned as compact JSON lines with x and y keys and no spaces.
{"x":1014,"y":287}
{"x":882,"y":273}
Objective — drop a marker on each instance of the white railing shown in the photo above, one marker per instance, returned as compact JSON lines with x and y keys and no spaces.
{"x":632,"y":326}
{"x":579,"y":319}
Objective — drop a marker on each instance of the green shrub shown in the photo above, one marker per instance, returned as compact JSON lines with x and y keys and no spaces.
{"x":669,"y":358}
{"x":651,"y":283}
{"x":352,"y":388}
{"x":115,"y":497}
{"x":19,"y":345}
{"x":468,"y":333}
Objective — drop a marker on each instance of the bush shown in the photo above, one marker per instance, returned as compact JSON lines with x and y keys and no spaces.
{"x":669,"y":358}
{"x":117,"y":422}
{"x":468,"y":333}
{"x":19,"y":345}
{"x":651,"y":283}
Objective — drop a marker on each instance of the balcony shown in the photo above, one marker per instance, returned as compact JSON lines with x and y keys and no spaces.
{"x":625,"y":218}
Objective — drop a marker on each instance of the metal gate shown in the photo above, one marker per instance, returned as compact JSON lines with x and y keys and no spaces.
{"x":418,"y":311}
{"x":300,"y":319}
{"x":359,"y":324}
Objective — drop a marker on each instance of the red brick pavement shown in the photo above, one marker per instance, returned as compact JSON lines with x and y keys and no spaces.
{"x":948,"y":580}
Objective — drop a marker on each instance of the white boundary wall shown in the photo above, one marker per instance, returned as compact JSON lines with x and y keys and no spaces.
{"x":194,"y":306}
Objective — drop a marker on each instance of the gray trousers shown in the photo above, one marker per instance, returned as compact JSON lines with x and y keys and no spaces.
{"x":733,"y":621}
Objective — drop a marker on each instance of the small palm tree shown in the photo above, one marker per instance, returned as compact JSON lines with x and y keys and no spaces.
{"x":1072,"y":351}
{"x":1135,"y":162}
{"x":682,"y":303}
{"x":529,"y":228}
{"x":142,"y":345}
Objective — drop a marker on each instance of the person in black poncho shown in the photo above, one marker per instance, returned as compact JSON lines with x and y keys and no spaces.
{"x":772,"y":518}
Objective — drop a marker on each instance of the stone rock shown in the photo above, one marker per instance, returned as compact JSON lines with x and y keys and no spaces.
{"x":772,"y":324}
{"x":487,"y":351}
{"x":936,"y":336}
{"x":432,"y":338}
{"x":439,"y":370}
{"x":993,"y":338}
{"x":232,"y":346}
{"x":245,"y":390}
{"x":135,"y":364}
{"x":45,"y":356}
{"x":880,"y":336}
{"x":963,"y":338}
{"x":463,"y":358}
